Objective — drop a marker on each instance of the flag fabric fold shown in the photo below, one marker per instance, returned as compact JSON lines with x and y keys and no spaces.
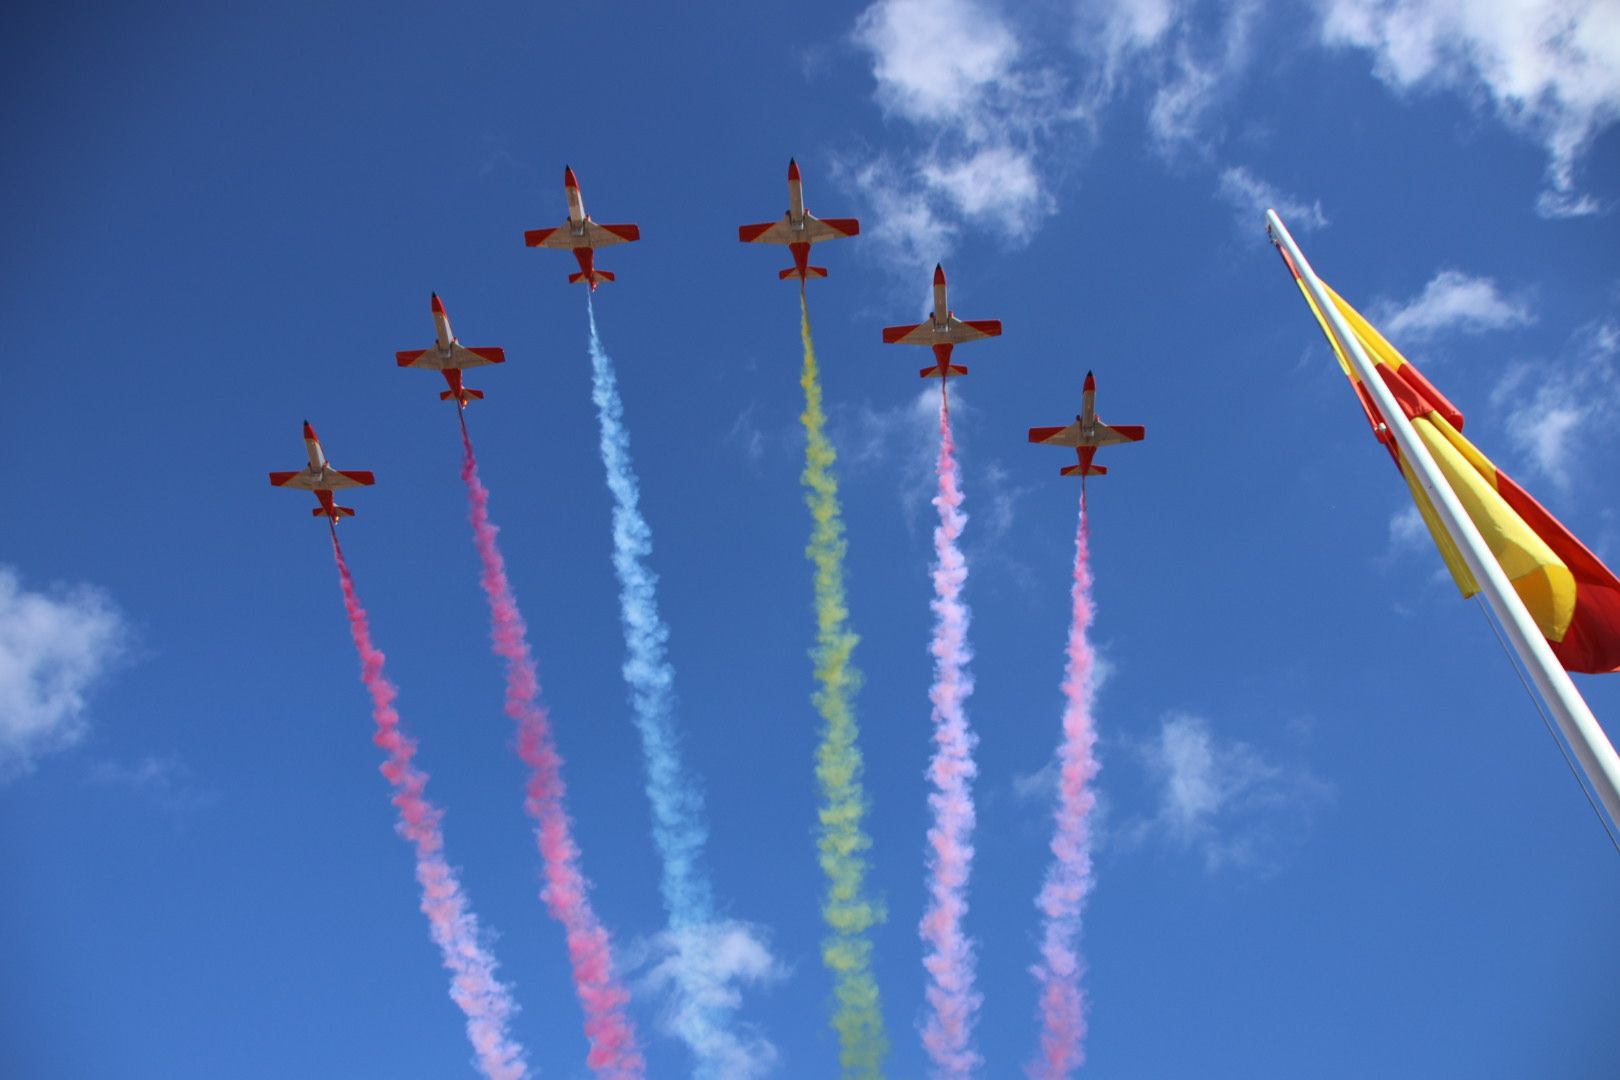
{"x":1571,"y":595}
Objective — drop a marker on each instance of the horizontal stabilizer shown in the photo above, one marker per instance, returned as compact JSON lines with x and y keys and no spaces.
{"x":342,"y":511}
{"x":935,"y":373}
{"x":594,"y":276}
{"x":809,"y":272}
{"x":467,"y":393}
{"x":1074,"y":470}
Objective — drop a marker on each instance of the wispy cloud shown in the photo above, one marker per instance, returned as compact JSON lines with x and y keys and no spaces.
{"x":1250,"y":197}
{"x":1452,"y":302}
{"x":1549,"y":68}
{"x":957,"y":74}
{"x":1222,"y":798}
{"x":165,"y":779}
{"x":720,"y":959}
{"x":54,"y":647}
{"x":1557,"y":407}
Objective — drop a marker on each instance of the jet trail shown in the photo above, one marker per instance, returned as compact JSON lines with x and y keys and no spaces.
{"x":848,"y":911}
{"x":1069,"y":878}
{"x":947,"y":1033}
{"x":703,"y":1015}
{"x":614,"y":1054}
{"x":485,"y":1000}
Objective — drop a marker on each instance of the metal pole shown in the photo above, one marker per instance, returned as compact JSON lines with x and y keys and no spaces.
{"x":1581,"y":729}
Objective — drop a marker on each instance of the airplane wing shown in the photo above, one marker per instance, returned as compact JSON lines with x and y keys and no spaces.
{"x":815,"y":230}
{"x":1056,"y":436}
{"x":334,"y":480}
{"x":1108,"y":436}
{"x":460,"y":358}
{"x":954,"y":332}
{"x":593,"y":236}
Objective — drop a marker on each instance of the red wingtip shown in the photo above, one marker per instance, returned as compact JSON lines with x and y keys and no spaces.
{"x":793,"y":169}
{"x":1091,"y":382}
{"x":309,"y":432}
{"x":569,"y":180}
{"x":438,"y":305}
{"x":939,"y":274}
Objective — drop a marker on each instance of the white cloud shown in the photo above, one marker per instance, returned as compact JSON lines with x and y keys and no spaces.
{"x":701,"y":970}
{"x":1407,"y":530}
{"x":1250,"y":197}
{"x":1550,"y":68}
{"x":53,"y":648}
{"x":1452,"y":301}
{"x":984,"y":109}
{"x":168,"y":780}
{"x":1559,"y":407}
{"x":1222,"y":798}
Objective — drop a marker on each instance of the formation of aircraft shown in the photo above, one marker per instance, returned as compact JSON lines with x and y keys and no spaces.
{"x":798,"y":229}
{"x":942,"y":332}
{"x":322,"y":479}
{"x":1087,"y":434}
{"x":450,"y":357}
{"x":581,"y":235}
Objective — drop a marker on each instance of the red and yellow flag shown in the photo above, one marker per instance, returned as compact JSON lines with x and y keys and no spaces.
{"x":1573,"y":598}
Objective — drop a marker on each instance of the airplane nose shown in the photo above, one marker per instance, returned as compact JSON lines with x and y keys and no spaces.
{"x":939,"y":274}
{"x":793,"y":169}
{"x":309,"y":432}
{"x":438,"y":305}
{"x":569,"y":180}
{"x":1091,"y":382}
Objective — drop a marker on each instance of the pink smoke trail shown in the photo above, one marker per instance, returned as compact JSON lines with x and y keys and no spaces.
{"x":614,"y":1053}
{"x":948,"y":1030}
{"x":484,"y":1000}
{"x":1069,"y":878}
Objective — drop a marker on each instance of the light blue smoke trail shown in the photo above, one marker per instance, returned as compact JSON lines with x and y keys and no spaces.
{"x":698,"y":970}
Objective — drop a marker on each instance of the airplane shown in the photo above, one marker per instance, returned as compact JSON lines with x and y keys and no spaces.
{"x":582,"y":235}
{"x":943,"y":331}
{"x":322,"y":479}
{"x":449,"y":357}
{"x":798,"y":230}
{"x":1087,"y":434}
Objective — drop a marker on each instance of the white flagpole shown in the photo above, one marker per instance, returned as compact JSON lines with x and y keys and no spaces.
{"x":1581,"y":729}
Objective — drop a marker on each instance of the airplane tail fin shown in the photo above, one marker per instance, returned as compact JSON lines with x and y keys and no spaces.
{"x":809,"y":272}
{"x":1074,"y":470}
{"x":935,"y":373}
{"x":468,"y":393}
{"x":595,"y":277}
{"x":342,"y":511}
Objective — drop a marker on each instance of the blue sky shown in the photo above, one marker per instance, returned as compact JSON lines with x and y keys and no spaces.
{"x":1336,"y":841}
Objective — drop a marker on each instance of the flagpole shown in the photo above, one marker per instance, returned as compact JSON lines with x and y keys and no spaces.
{"x":1581,"y":729}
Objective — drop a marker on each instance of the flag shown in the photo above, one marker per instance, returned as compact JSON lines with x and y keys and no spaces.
{"x":1573,"y":598}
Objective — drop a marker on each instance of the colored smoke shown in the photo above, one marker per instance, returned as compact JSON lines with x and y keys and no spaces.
{"x":849,"y":912}
{"x":952,"y":1002}
{"x":1069,"y":878}
{"x":702,"y":1001}
{"x":613,"y":1050}
{"x":473,"y":986}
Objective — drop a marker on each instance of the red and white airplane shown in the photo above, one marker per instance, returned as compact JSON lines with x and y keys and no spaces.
{"x":942,"y":331}
{"x":1087,"y":434}
{"x":322,"y":479}
{"x":582,"y":235}
{"x":449,"y":357}
{"x":798,"y":230}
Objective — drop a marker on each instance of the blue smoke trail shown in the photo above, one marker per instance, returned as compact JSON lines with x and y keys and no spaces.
{"x":706,"y":954}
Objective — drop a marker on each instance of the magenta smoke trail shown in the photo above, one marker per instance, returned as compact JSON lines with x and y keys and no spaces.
{"x":952,"y":1001}
{"x":474,"y":987}
{"x":1069,"y":879}
{"x":614,"y":1053}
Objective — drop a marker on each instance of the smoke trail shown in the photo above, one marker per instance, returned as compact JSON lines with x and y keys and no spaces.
{"x":948,"y":1030}
{"x":848,"y":911}
{"x":484,"y":999}
{"x":701,"y":1016}
{"x":1069,"y":878}
{"x":614,"y":1053}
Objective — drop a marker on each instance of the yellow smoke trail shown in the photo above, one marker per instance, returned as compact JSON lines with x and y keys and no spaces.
{"x":849,"y":912}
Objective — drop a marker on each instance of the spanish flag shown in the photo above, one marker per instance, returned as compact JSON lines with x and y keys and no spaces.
{"x":1573,"y":598}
